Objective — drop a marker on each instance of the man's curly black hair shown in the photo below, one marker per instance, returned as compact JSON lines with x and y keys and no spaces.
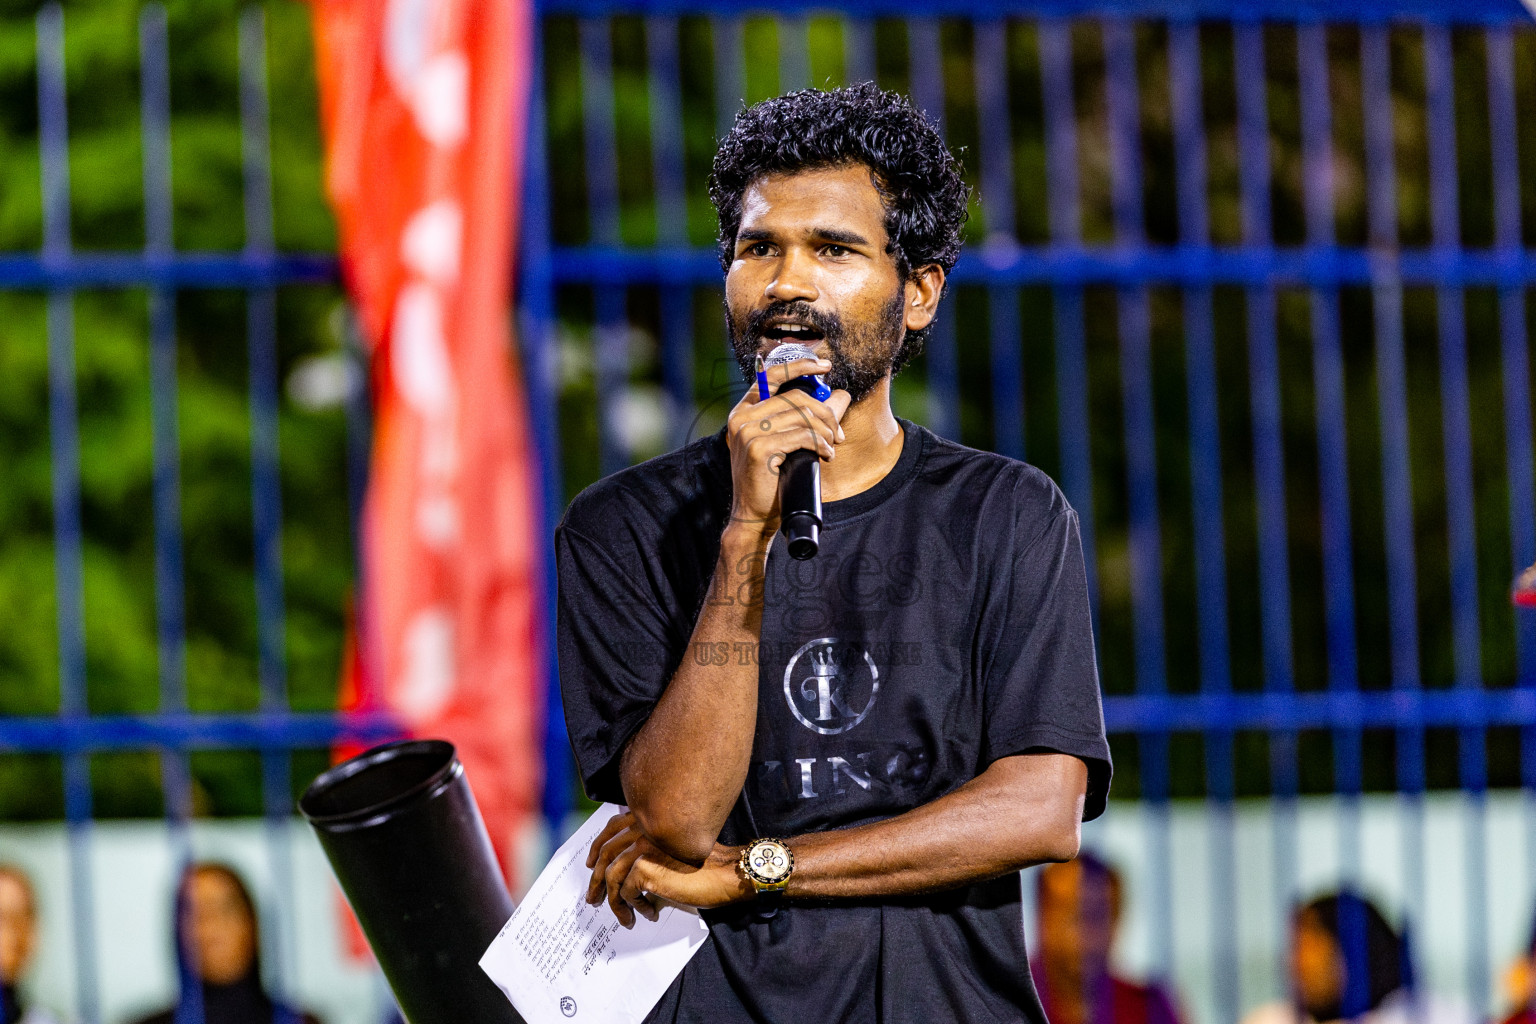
{"x":917,"y":177}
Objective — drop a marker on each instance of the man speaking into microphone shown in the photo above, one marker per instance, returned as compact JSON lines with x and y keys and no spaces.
{"x":843,"y":761}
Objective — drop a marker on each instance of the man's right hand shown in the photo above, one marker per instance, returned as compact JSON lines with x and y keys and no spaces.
{"x":762,"y":432}
{"x":708,"y":712}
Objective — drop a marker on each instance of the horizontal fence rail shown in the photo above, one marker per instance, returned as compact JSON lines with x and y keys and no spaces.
{"x":73,"y":271}
{"x":1360,"y":12}
{"x":280,"y":731}
{"x":1173,"y":265}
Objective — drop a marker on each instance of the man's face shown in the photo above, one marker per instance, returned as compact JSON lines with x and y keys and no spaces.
{"x":17,"y":927}
{"x":811,"y":267}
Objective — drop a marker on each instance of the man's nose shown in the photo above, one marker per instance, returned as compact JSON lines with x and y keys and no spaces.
{"x":795,"y":279}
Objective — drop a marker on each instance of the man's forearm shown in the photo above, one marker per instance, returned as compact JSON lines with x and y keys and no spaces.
{"x":1021,"y":811}
{"x":683,"y":769}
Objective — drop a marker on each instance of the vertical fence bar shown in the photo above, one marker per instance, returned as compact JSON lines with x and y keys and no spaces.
{"x":1268,"y":446}
{"x":1333,"y":469}
{"x":1006,"y":340}
{"x":794,"y":54}
{"x":596,"y":42}
{"x":170,"y":576}
{"x":1146,"y":552}
{"x":1512,"y":322}
{"x":859,"y":49}
{"x":155,"y":111}
{"x":926,"y":56}
{"x":64,"y":438}
{"x":611,"y":323}
{"x":996,"y":161}
{"x":1064,"y":205}
{"x":730,"y":72}
{"x":661,"y":44}
{"x":1456,"y":425}
{"x":1392,"y":397}
{"x":1446,"y":226}
{"x":266,"y":487}
{"x":941,"y":360}
{"x":358,"y":419}
{"x":266,"y":503}
{"x":728,"y":33}
{"x":730,"y":89}
{"x":1517,"y":383}
{"x":1184,"y":72}
{"x":1332,"y":443}
{"x":541,"y":360}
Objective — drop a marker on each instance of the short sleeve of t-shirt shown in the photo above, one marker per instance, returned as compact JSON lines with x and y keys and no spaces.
{"x":1041,"y":683}
{"x":616,"y":653}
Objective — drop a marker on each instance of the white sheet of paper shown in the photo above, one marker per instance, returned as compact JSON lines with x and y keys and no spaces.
{"x":559,"y":959}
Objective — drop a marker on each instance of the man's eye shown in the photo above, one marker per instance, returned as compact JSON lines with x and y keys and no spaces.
{"x":758,"y":249}
{"x":836,"y":250}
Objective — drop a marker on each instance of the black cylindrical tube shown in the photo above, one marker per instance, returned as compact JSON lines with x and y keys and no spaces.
{"x":402,"y":832}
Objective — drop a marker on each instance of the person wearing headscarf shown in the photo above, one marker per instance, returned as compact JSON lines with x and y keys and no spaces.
{"x":1520,"y":983}
{"x":1077,"y":910}
{"x":18,"y":940}
{"x":217,"y":955}
{"x":1349,"y":963}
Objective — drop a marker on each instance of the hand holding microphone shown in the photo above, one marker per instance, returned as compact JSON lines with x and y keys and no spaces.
{"x":777,"y":444}
{"x":800,"y":473}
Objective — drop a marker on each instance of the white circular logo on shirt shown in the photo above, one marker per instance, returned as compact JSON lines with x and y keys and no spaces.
{"x":830,"y":685}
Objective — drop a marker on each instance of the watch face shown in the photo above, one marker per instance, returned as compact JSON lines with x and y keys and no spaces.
{"x":770,"y":861}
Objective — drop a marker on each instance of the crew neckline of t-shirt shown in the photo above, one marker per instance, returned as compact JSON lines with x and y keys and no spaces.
{"x":865,"y":500}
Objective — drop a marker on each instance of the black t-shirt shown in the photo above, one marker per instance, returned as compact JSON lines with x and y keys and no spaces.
{"x":943,"y":624}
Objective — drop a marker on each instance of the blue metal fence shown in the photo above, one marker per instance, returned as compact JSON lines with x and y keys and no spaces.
{"x":60,"y":271}
{"x":611,"y":281}
{"x":1085,"y":396}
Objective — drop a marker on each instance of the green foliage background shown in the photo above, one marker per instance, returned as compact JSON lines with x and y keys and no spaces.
{"x":111,"y":347}
{"x":702,"y":117}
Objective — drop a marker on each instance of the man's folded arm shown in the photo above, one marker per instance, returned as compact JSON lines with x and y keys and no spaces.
{"x":1022,"y":810}
{"x":683,"y":769}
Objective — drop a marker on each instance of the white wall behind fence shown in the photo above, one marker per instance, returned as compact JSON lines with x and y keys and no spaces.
{"x":133,"y":867}
{"x":133,"y":875}
{"x":1440,"y":934}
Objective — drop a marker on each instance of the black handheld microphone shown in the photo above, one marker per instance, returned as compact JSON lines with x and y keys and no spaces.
{"x":800,"y":473}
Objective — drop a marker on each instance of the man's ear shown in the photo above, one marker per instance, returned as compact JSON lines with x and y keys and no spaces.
{"x":921,"y":297}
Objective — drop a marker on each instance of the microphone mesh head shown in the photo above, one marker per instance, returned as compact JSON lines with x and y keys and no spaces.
{"x":787,"y":352}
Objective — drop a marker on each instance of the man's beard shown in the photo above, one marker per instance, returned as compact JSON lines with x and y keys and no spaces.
{"x":861,"y":355}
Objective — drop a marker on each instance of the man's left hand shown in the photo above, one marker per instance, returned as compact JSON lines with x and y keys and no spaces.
{"x":637,"y":876}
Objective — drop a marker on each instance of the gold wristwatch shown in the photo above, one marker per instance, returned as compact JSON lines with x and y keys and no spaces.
{"x":767,"y":863}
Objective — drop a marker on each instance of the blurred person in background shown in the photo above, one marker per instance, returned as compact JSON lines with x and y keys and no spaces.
{"x":1349,"y":963}
{"x":1520,"y":984}
{"x":218,"y":966}
{"x":1077,"y":910}
{"x":18,"y":939}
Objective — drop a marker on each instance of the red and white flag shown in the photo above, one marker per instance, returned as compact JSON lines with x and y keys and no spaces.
{"x":423,"y":104}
